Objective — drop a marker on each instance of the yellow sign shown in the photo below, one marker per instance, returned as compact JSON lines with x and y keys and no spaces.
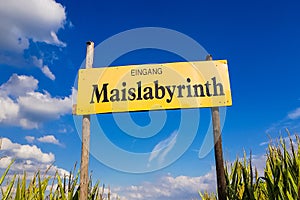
{"x":153,"y":87}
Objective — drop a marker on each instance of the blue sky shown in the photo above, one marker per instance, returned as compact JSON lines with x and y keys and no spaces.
{"x":42,"y":46}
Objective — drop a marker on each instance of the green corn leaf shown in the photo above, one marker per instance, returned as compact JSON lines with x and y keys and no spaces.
{"x":41,"y":195}
{"x":9,"y":189}
{"x":23,"y":188}
{"x":60,"y":185}
{"x":5,"y":172}
{"x":18,"y":192}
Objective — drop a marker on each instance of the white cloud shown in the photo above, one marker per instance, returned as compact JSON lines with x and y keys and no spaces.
{"x":25,"y":21}
{"x":161,"y":150}
{"x":9,"y":109}
{"x":74,"y":95}
{"x":18,"y":151}
{"x":41,"y":106}
{"x":45,"y":69}
{"x":48,"y":73}
{"x":23,"y":106}
{"x":18,"y":85}
{"x":44,"y":139}
{"x":170,"y":188}
{"x":28,"y":158}
{"x":33,"y":152}
{"x":294,"y":114}
{"x":21,"y":20}
{"x":63,"y":130}
{"x":49,"y":139}
{"x":290,"y":122}
{"x":259,"y":162}
{"x":30,"y":139}
{"x":5,"y":161}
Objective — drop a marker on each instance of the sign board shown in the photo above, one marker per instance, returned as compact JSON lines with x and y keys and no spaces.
{"x":153,"y":87}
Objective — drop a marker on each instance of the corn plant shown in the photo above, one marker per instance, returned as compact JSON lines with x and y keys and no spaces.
{"x":281,"y":179}
{"x":282,"y":171}
{"x":208,"y":196}
{"x":61,"y":187}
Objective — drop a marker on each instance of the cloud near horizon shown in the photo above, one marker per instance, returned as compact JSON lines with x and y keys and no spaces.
{"x":22,"y":105}
{"x":170,"y":188}
{"x":27,"y":157}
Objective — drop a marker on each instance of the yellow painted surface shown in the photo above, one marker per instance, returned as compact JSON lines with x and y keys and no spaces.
{"x":162,"y":86}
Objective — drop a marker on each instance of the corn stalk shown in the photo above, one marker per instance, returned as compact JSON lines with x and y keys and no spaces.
{"x":281,"y":179}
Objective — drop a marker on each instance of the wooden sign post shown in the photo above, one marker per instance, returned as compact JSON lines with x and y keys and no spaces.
{"x":221,"y":182}
{"x":85,"y":147}
{"x":144,"y":87}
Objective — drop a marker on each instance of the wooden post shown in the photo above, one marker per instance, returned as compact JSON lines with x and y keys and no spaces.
{"x":85,"y":146}
{"x":221,"y":182}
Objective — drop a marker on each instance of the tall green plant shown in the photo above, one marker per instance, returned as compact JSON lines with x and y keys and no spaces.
{"x":38,"y":188}
{"x":282,"y":171}
{"x":281,"y":179}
